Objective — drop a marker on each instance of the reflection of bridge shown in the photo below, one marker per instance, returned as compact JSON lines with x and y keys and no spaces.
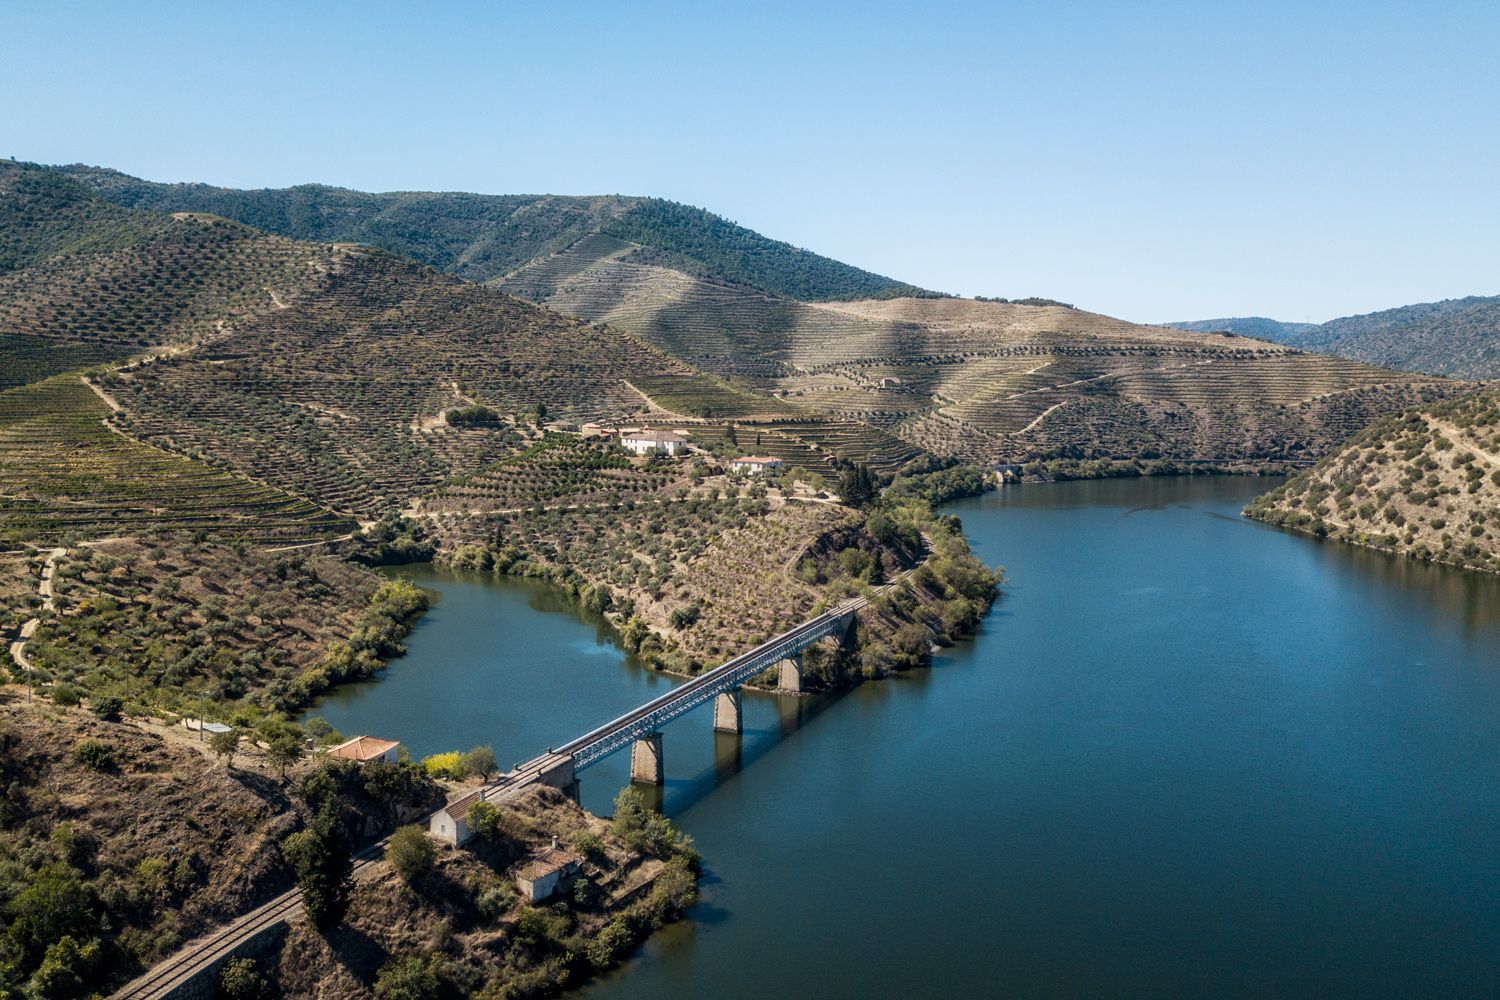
{"x":641,"y":727}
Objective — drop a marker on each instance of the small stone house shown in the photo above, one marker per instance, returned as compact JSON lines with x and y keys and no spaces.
{"x":367,"y":748}
{"x":644,"y":442}
{"x":451,"y":823}
{"x":548,"y":871}
{"x":755,"y":464}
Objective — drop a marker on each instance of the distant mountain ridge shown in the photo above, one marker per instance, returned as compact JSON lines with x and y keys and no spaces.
{"x":1459,"y":338}
{"x":1248,"y":326}
{"x":484,"y":238}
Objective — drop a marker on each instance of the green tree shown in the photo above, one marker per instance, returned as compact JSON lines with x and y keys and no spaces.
{"x":224,"y":745}
{"x":56,"y":903}
{"x":484,"y":820}
{"x":411,"y":853}
{"x":321,"y":857}
{"x":480,"y":762}
{"x":857,"y":487}
{"x":64,"y":968}
{"x":283,"y":750}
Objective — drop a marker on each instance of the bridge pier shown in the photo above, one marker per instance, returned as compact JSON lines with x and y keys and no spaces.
{"x":791,"y":674}
{"x":645,"y":760}
{"x":728,"y":713}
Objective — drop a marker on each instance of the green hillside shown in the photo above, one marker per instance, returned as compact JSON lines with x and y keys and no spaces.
{"x":1258,"y":327}
{"x":485,"y":237}
{"x":1459,"y":338}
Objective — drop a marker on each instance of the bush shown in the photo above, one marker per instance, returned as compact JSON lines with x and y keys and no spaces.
{"x":684,"y":616}
{"x":411,"y":978}
{"x":484,"y":820}
{"x":108,"y":707}
{"x":65,"y":695}
{"x":495,"y":903}
{"x":411,"y":853}
{"x":611,"y":941}
{"x":241,"y":980}
{"x":94,"y":755}
{"x":589,"y":846}
{"x":445,"y":765}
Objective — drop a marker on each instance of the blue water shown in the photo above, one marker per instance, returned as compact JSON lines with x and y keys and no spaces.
{"x":1187,"y":756}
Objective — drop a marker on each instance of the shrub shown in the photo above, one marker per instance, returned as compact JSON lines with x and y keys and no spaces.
{"x":65,"y":695}
{"x":445,"y":765}
{"x":611,"y":941}
{"x":94,"y":755}
{"x":241,"y":980}
{"x":108,"y":707}
{"x":411,"y":853}
{"x":411,"y":978}
{"x":684,"y":616}
{"x":589,"y":846}
{"x":495,"y":903}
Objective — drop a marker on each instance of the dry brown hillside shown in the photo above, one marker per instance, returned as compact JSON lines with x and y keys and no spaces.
{"x":985,"y":381}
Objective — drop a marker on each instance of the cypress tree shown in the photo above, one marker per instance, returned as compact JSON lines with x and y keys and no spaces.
{"x":321,"y":855}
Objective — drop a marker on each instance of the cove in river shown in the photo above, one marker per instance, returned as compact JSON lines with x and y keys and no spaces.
{"x":1187,"y":755}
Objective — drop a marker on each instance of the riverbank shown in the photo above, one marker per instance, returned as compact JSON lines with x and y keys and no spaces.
{"x":692,"y":580}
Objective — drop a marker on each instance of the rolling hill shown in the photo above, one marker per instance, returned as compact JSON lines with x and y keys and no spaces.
{"x":1459,"y":338}
{"x":1422,"y":483}
{"x":288,"y":333}
{"x":487,"y":237}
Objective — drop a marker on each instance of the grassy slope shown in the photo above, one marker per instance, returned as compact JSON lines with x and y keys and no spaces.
{"x":1424,"y":483}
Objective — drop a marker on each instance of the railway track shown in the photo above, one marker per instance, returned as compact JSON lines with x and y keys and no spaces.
{"x":200,"y":955}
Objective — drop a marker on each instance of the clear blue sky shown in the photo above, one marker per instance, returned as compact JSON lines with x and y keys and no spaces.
{"x":1152,"y":161}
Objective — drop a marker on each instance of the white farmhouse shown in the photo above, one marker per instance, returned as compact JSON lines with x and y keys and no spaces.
{"x":547,"y":871}
{"x":755,"y":464}
{"x":644,"y":442}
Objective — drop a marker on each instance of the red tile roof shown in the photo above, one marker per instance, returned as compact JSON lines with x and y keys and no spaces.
{"x":548,"y":860}
{"x":364,"y":748}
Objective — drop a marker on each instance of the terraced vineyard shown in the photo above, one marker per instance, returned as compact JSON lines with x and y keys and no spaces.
{"x":25,"y":359}
{"x":84,"y":270}
{"x":63,"y":472}
{"x":559,"y":469}
{"x":340,"y":394}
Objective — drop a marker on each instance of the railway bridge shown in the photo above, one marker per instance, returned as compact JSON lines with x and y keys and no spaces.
{"x":192,"y":973}
{"x":640,"y":728}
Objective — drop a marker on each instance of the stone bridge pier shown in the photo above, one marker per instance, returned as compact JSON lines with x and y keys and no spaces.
{"x":646,"y":762}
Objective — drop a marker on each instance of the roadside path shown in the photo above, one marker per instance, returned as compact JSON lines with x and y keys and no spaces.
{"x":18,"y":648}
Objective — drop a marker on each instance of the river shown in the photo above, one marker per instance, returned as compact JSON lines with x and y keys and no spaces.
{"x":1187,"y":755}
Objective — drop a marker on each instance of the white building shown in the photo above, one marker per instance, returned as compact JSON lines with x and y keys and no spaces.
{"x":547,"y":871}
{"x":451,"y":823}
{"x":755,"y":464}
{"x":644,"y":442}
